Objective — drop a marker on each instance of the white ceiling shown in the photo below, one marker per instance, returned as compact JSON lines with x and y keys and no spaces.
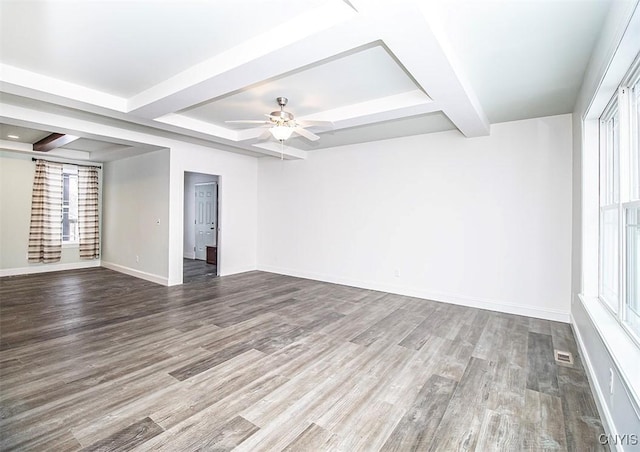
{"x":125,"y":47}
{"x":24,"y":134}
{"x":377,"y":69}
{"x":525,"y":59}
{"x":416,"y":125}
{"x":336,"y":83}
{"x":81,"y":148}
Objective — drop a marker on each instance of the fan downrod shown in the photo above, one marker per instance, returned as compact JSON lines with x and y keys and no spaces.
{"x":281,"y":115}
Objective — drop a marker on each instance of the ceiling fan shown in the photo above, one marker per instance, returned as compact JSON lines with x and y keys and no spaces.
{"x":282,"y":124}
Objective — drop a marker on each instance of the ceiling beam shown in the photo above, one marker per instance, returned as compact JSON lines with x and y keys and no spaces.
{"x":388,"y":108}
{"x":53,"y":141}
{"x":434,"y":67}
{"x":320,"y":34}
{"x":228,"y":136}
{"x":280,"y":150}
{"x":30,"y":84}
{"x":24,"y":116}
{"x":15,"y":146}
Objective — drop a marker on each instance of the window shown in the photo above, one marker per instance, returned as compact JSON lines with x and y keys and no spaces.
{"x":609,"y":211}
{"x":632,"y":212}
{"x":632,"y":308}
{"x":619,"y":251}
{"x":635,"y":138}
{"x":70,"y":205}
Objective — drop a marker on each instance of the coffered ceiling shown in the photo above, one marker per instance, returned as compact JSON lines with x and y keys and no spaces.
{"x":376,"y":69}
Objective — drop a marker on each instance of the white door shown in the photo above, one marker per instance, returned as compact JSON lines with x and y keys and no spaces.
{"x":205,"y":218}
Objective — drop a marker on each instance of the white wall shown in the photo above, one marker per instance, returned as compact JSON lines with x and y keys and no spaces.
{"x":483,"y":221}
{"x":136,"y":216}
{"x":238,"y":198}
{"x":190,"y":180}
{"x":16,"y":184}
{"x":238,"y":206}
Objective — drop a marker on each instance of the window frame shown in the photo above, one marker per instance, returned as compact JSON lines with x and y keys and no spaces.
{"x":625,"y":311}
{"x":607,"y":199}
{"x":623,"y":105}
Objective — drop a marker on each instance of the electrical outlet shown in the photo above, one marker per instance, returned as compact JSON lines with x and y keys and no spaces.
{"x":137,"y":259}
{"x":610,"y":381}
{"x":397,"y":273}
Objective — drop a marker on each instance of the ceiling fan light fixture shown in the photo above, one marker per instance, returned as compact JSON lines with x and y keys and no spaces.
{"x":281,"y":133}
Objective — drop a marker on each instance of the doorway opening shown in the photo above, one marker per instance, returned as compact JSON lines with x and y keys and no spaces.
{"x":201,"y":227}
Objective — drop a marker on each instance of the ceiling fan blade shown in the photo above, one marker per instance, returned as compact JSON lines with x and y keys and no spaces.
{"x":248,"y":121}
{"x":310,"y":123}
{"x":305,"y":133}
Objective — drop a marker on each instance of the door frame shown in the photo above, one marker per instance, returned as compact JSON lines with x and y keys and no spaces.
{"x":218,"y":216}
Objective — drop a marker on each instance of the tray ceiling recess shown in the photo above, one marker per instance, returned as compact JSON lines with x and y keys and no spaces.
{"x":375,"y":69}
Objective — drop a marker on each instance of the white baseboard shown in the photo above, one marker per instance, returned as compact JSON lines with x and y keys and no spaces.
{"x":605,"y":345}
{"x":189,"y":255}
{"x":598,"y":396}
{"x":547,"y":314}
{"x":234,"y":271}
{"x":45,"y":268}
{"x":136,"y":273}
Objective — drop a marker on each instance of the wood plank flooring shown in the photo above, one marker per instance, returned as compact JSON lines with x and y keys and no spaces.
{"x":194,"y":270}
{"x":97,"y":360}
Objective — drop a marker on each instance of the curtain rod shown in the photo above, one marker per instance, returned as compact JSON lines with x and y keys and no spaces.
{"x":33,"y":159}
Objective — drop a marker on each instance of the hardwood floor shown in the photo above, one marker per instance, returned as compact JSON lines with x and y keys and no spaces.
{"x":97,"y":360}
{"x":194,"y":269}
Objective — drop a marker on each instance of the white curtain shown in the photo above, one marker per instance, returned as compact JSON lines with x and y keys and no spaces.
{"x":45,"y":229}
{"x":89,"y":226}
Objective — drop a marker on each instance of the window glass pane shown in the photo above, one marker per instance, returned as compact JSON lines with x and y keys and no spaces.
{"x":635,"y":141}
{"x":73,"y":208}
{"x":65,"y":207}
{"x":609,"y":160}
{"x":609,"y":257}
{"x":603,"y":165}
{"x":604,"y":144}
{"x":70,"y":207}
{"x":615,"y":159}
{"x":632,"y":305}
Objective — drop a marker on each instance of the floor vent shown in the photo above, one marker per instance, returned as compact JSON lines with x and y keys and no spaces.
{"x":563,"y":357}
